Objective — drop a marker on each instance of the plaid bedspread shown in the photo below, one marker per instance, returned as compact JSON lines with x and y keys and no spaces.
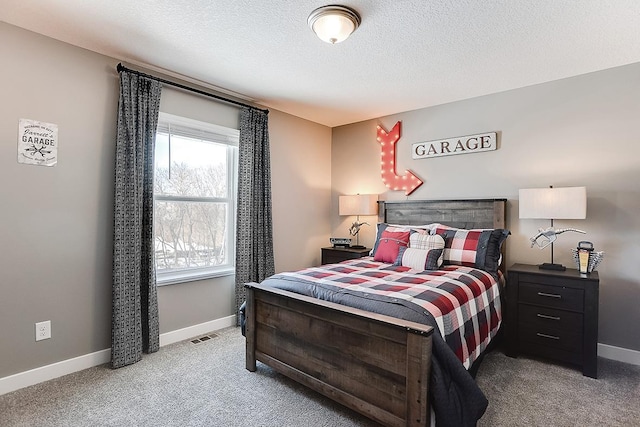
{"x":464,"y":301}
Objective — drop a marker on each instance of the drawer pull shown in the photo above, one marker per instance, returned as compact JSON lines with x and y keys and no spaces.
{"x":544,"y":294}
{"x":545,"y":316}
{"x":553,"y":337}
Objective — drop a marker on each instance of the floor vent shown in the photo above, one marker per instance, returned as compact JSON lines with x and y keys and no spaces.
{"x":203,"y":338}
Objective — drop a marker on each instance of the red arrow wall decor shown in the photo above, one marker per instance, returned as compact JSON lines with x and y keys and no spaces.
{"x":407,"y":182}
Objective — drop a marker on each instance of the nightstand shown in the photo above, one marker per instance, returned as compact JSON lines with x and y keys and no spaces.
{"x":332,"y":255}
{"x":554,"y":315}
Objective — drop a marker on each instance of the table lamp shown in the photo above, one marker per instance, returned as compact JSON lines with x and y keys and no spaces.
{"x":552,"y":203}
{"x":359,"y":204}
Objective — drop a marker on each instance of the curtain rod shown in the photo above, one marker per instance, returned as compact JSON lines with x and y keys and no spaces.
{"x":121,"y":67}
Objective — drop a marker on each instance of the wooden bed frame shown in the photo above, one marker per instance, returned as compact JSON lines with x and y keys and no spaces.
{"x":376,"y":365}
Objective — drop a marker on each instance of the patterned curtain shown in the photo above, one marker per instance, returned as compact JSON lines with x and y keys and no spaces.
{"x":254,"y":234}
{"x":135,"y":302}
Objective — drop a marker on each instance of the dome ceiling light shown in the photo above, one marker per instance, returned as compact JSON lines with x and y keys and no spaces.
{"x":333,"y":23}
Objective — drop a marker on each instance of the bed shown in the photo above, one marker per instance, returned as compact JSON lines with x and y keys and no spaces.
{"x":347,"y":331}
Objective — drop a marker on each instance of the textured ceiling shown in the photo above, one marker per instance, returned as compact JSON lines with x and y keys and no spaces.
{"x":407,"y":54}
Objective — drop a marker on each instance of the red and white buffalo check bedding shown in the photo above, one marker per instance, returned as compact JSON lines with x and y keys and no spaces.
{"x":464,"y":301}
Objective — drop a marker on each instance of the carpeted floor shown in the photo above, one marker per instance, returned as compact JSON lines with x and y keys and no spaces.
{"x":525,"y":392}
{"x":206,"y":384}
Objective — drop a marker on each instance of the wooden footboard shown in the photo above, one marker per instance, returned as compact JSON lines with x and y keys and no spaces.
{"x":374,"y":364}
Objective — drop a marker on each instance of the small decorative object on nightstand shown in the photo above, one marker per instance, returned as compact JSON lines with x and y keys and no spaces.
{"x":334,"y":255}
{"x":553,"y":314}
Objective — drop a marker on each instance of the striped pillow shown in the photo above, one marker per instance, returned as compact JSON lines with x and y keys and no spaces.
{"x":419,"y":259}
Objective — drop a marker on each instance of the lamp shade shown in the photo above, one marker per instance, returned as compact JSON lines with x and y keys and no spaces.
{"x":553,"y":203}
{"x":359,"y":204}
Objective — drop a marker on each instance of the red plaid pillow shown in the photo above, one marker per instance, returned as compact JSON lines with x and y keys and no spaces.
{"x":389,"y":245}
{"x":461,"y":248}
{"x":473,"y":248}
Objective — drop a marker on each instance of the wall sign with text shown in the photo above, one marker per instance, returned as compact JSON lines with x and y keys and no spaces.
{"x":37,"y":143}
{"x":458,"y":145}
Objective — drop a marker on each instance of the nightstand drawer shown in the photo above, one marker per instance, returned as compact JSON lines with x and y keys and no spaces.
{"x":565,"y":339}
{"x":336,"y":258}
{"x":552,"y":296}
{"x":336,"y":255}
{"x":557,"y":328}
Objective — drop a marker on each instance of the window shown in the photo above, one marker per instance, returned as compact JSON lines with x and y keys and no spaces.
{"x":194,"y":199}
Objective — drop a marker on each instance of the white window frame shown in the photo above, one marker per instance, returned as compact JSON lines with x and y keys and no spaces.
{"x":218,"y":134}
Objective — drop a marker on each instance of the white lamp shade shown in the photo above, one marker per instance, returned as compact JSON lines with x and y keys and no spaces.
{"x":553,"y":203}
{"x":360,"y":204}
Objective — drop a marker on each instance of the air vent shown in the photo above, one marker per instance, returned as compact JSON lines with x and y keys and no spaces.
{"x":203,"y":338}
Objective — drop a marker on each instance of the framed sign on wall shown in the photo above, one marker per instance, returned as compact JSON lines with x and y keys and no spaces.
{"x":37,"y":143}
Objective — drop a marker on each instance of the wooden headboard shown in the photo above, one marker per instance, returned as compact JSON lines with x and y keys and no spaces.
{"x":469,"y":214}
{"x":478,"y":213}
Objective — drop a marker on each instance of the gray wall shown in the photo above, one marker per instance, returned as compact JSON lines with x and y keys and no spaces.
{"x":581,"y":131}
{"x":56,"y":223}
{"x":301,"y":167}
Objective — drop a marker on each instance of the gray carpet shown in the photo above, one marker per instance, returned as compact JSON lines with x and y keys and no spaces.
{"x":525,"y":392}
{"x":206,"y":384}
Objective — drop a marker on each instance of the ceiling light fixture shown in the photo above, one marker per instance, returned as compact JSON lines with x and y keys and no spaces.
{"x":333,"y":23}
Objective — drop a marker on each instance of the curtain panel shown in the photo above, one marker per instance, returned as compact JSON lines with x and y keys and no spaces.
{"x":254,"y":229}
{"x":135,"y":326}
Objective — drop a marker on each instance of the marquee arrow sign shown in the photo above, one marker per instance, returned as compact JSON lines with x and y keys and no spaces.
{"x":407,"y":182}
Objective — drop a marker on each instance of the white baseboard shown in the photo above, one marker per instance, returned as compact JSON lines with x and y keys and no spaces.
{"x":618,"y":353}
{"x":55,"y":370}
{"x":58,"y":369}
{"x":195,"y":330}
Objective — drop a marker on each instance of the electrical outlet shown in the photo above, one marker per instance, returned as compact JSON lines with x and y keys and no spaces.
{"x":43,"y":330}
